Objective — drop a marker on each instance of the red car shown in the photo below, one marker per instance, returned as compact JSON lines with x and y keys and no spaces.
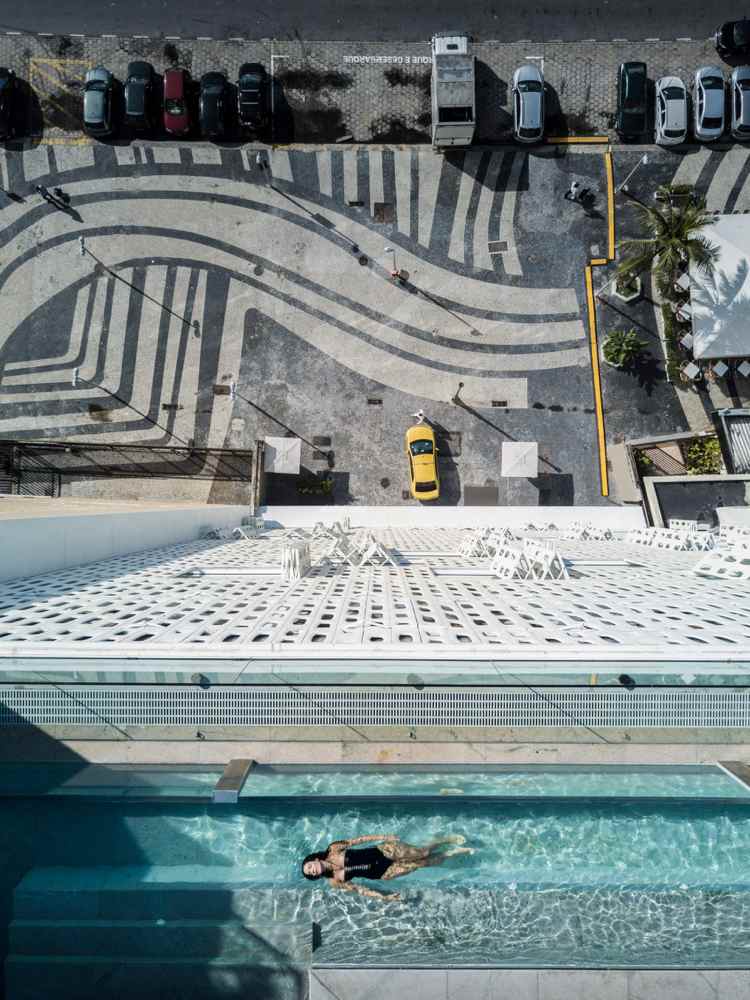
{"x":176,"y":91}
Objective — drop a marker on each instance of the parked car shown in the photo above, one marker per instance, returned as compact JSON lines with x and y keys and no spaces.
{"x":528,"y":103}
{"x":630,"y":122}
{"x":176,"y":96}
{"x":424,"y":481}
{"x":8,"y":91}
{"x":139,"y":95}
{"x":252,"y":97}
{"x":732,"y":40}
{"x":741,"y":103}
{"x":708,"y":103}
{"x":213,"y":105}
{"x":671,"y":111}
{"x":97,"y":102}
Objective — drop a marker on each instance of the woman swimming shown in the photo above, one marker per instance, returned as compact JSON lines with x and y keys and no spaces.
{"x":390,"y":859}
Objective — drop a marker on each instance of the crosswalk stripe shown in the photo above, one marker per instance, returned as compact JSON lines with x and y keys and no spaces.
{"x":73,"y":157}
{"x":725,"y":178}
{"x":36,"y":162}
{"x":691,"y":165}
{"x":402,"y":170}
{"x":186,"y":380}
{"x":351,"y":183}
{"x":281,"y":166}
{"x":94,"y":330}
{"x":117,"y":331}
{"x":511,"y":261}
{"x":742,"y":204}
{"x":375,"y":164}
{"x":125,"y":156}
{"x":457,"y":248}
{"x":482,"y":222}
{"x":325,"y":179}
{"x":429,"y":181}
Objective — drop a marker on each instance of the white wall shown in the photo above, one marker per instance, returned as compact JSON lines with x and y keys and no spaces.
{"x":40,"y":544}
{"x":617,"y":518}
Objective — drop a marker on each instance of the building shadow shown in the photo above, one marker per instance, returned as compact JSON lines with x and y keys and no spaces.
{"x":494,"y":114}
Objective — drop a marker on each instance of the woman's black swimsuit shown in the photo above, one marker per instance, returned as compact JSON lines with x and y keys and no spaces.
{"x":365,"y":862}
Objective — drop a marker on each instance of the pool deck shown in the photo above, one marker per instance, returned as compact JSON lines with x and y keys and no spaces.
{"x":528,"y":984}
{"x":31,"y":745}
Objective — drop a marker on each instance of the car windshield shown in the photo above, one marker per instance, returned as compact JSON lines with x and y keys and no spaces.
{"x":250,"y":80}
{"x":673,"y":93}
{"x":673,"y":133}
{"x":529,"y":86}
{"x":713,"y":83}
{"x":424,"y":487}
{"x":421,"y":447}
{"x":744,"y":84}
{"x":528,"y":133}
{"x":4,"y":81}
{"x":712,"y":123}
{"x":96,"y":85}
{"x":173,"y":106}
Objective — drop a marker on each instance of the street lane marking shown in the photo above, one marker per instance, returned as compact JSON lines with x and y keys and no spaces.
{"x":596,"y":377}
{"x":608,"y":167}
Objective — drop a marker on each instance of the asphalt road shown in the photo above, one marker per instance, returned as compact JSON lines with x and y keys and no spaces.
{"x":372,"y":21}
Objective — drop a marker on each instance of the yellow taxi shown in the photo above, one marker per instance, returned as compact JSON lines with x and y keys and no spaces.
{"x":423,"y":468}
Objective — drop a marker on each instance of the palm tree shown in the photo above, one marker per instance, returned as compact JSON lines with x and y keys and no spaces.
{"x":674,"y":240}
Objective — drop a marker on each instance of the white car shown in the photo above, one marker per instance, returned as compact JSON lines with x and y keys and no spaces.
{"x":741,"y":103}
{"x":708,"y":102}
{"x":528,"y":103}
{"x":671,"y":111}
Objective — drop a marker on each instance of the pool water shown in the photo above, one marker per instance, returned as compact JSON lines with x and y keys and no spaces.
{"x":557,"y":883}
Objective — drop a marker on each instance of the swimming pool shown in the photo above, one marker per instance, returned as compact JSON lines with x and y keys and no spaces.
{"x":585,"y":877}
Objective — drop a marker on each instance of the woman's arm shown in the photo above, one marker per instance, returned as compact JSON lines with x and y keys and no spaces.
{"x":370,"y":838}
{"x":362,"y":891}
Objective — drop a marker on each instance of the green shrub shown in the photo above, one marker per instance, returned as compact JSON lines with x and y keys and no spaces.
{"x":644,"y":464}
{"x":703,"y":457}
{"x":623,"y":347}
{"x":672,"y":334}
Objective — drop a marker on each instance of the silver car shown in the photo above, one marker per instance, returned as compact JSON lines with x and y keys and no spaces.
{"x":528,"y":103}
{"x":97,"y":101}
{"x":708,"y":102}
{"x":741,"y":103}
{"x":671,"y":111}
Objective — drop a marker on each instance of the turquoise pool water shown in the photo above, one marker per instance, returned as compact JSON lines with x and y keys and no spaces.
{"x":616,"y":882}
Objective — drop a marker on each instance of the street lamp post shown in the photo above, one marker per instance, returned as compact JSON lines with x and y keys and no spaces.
{"x":394,"y":269}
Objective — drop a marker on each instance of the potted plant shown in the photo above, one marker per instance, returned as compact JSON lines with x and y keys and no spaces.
{"x":622,"y":348}
{"x":627,"y":286}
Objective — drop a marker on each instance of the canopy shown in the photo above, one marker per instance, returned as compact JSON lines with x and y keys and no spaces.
{"x":721,"y":300}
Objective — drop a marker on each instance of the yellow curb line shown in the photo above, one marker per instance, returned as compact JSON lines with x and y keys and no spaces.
{"x":596,"y":377}
{"x":571,"y":140}
{"x":64,"y":141}
{"x":610,"y":203}
{"x":593,"y":679}
{"x":597,"y":261}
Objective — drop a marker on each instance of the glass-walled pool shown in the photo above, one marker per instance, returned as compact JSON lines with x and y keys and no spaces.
{"x":571,"y":866}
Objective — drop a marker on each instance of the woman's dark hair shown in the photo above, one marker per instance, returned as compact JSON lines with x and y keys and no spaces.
{"x":317,"y":856}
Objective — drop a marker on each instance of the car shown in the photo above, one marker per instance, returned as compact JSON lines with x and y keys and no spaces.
{"x":708,"y":103}
{"x":732,"y":40}
{"x":741,"y":103}
{"x":213,"y":105}
{"x":139,"y":95}
{"x":671,"y":111}
{"x":97,"y":102}
{"x":630,"y":121}
{"x":177,"y":84}
{"x":252,"y":97}
{"x":421,"y":450}
{"x":528,"y":103}
{"x":8,"y":89}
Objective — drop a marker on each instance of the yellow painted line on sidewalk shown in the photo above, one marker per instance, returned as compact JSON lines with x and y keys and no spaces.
{"x":596,"y":377}
{"x":572,"y":140}
{"x":72,"y":140}
{"x":610,"y":203}
{"x":598,"y":261}
{"x":593,"y":679}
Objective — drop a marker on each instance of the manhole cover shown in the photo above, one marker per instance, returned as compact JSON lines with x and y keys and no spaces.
{"x":383,"y":211}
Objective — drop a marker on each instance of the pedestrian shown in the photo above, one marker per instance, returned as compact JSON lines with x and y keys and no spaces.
{"x":59,"y":193}
{"x":43,"y":191}
{"x":259,"y":160}
{"x":573,"y":192}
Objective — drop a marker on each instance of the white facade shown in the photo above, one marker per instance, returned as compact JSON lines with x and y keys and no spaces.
{"x":227,"y":600}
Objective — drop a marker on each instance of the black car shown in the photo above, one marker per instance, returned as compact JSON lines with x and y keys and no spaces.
{"x":732,"y":40}
{"x":212,"y":108}
{"x":252,"y":97}
{"x":139,"y":95}
{"x":8,"y":88}
{"x":630,"y":122}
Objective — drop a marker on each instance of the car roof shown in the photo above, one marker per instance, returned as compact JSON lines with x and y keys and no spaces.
{"x":213,"y":78}
{"x":528,"y":72}
{"x":531,"y":109}
{"x":98,"y":73}
{"x":741,"y":73}
{"x":174,"y":82}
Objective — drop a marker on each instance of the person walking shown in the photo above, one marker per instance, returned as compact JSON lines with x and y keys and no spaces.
{"x":574,"y":191}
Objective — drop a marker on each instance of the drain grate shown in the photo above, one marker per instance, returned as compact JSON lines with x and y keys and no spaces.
{"x":238,"y":706}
